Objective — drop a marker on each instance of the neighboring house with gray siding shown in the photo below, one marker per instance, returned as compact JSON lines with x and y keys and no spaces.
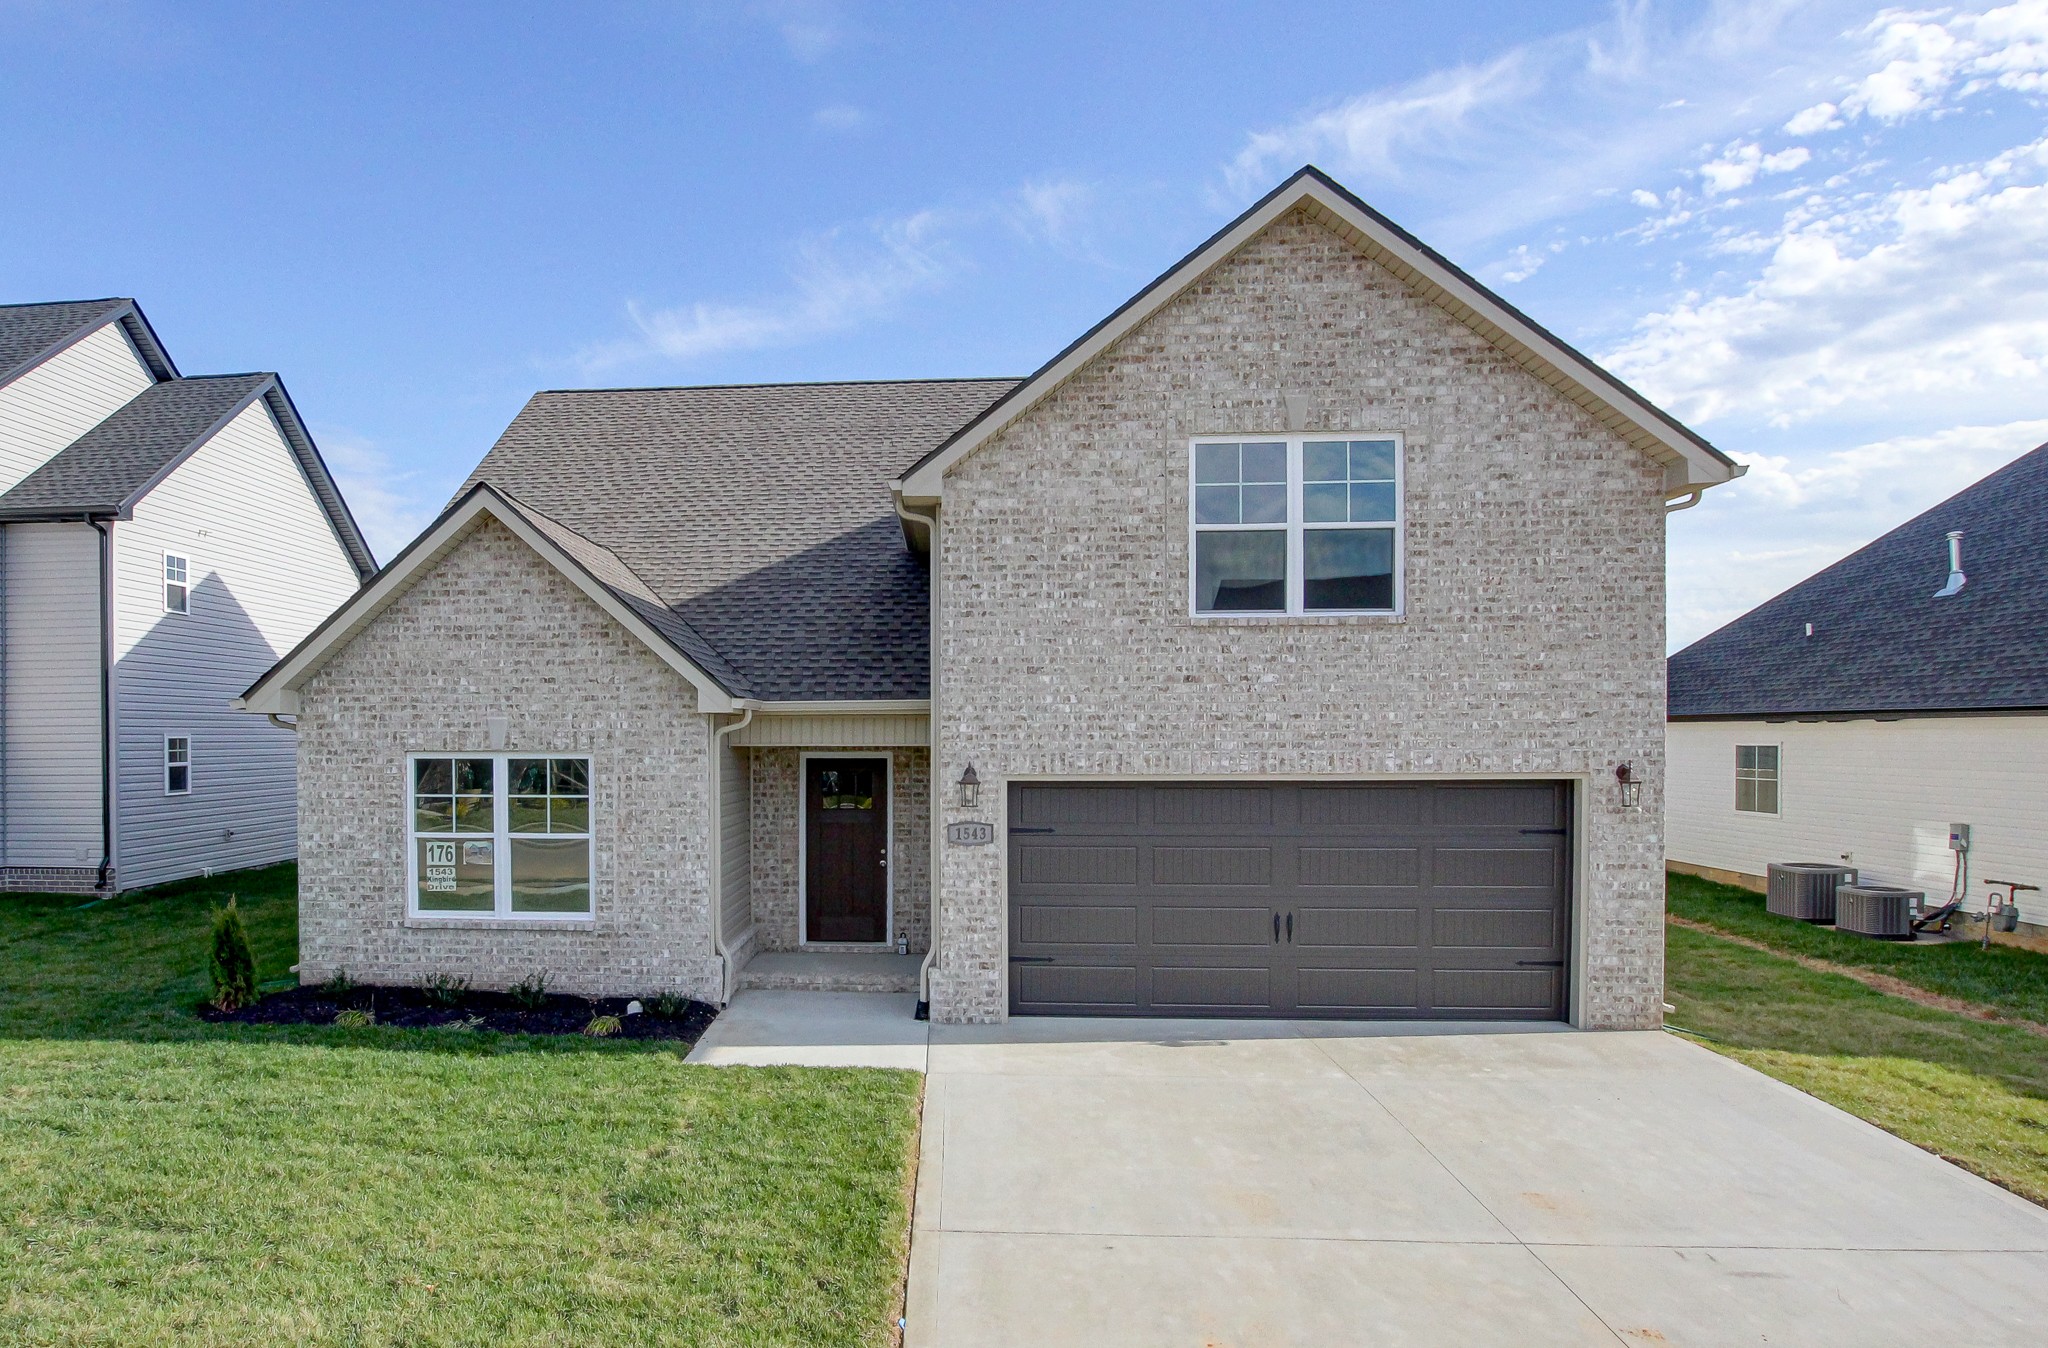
{"x":162,"y":539}
{"x":1291,"y":644}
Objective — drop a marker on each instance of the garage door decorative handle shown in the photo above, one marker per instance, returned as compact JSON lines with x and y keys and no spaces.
{"x":1276,"y":929}
{"x":1553,"y":832}
{"x":1031,"y":959}
{"x":1541,"y":964}
{"x":1290,"y":929}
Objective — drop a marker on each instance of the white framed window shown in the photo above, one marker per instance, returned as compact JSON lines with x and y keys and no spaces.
{"x":1756,"y":778}
{"x":1296,"y":525}
{"x":177,"y":583}
{"x":177,"y":765}
{"x":499,"y":836}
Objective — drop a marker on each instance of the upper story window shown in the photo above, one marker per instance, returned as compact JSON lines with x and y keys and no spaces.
{"x":1302,"y":524}
{"x":1756,"y":778}
{"x":500,"y":835}
{"x":177,"y":584}
{"x":177,"y":764}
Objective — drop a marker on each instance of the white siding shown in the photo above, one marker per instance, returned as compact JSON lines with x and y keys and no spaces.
{"x":1883,"y":792}
{"x":52,"y":682}
{"x":64,"y":397}
{"x":792,"y":731}
{"x":265,"y":568}
{"x":736,"y":841}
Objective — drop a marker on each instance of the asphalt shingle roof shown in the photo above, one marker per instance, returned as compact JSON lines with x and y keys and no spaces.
{"x":759,"y":514}
{"x":1881,"y":642}
{"x":101,"y":469}
{"x":28,"y":330}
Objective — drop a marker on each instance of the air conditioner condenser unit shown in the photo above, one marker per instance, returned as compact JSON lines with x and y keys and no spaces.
{"x":1805,"y":890}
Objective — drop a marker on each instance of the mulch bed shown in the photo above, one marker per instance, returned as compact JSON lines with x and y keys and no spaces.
{"x":413,"y":1008}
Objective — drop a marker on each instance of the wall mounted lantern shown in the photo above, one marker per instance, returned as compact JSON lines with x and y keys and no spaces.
{"x":970,"y":788}
{"x":1631,"y":785}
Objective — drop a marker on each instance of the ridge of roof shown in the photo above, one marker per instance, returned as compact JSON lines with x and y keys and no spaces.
{"x":1881,"y":641}
{"x":32,"y":333}
{"x":785,"y":383}
{"x":1183,"y":273}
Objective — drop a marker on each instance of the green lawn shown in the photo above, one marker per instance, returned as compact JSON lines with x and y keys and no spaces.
{"x":1974,"y":1092}
{"x":167,"y":1181}
{"x":2008,"y":978}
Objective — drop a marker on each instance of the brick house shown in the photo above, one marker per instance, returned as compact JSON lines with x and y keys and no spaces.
{"x":1273,"y":650}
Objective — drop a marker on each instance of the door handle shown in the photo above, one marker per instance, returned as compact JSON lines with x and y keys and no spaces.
{"x":1276,"y":929}
{"x":1290,"y":929}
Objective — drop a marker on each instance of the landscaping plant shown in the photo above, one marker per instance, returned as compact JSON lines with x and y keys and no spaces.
{"x":531,"y":992}
{"x":230,"y":962}
{"x":446,"y":989}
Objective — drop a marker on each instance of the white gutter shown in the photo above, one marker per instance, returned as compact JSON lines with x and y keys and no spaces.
{"x":729,"y":980}
{"x":933,"y":790}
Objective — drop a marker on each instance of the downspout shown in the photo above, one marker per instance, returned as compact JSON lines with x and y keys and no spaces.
{"x":729,"y":978}
{"x":1686,"y":502}
{"x":933,"y":790}
{"x":5,"y":772}
{"x":105,"y":528}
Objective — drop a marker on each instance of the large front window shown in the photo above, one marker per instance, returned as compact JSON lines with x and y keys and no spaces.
{"x":1301,"y":524}
{"x":501,"y":835}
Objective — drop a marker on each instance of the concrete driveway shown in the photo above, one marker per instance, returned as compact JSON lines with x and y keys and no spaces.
{"x":1236,"y":1184}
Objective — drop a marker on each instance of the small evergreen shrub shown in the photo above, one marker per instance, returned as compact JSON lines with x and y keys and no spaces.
{"x":341,"y":985}
{"x":230,"y":961}
{"x":446,"y":989}
{"x":671,"y":1006}
{"x":530,"y":993}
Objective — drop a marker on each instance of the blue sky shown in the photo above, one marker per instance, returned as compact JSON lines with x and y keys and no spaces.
{"x":1816,"y":231}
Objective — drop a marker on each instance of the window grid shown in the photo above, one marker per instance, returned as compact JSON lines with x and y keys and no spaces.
{"x":1228,"y":493}
{"x":177,"y":765}
{"x":497,"y":836}
{"x":1756,"y":778}
{"x":177,"y":583}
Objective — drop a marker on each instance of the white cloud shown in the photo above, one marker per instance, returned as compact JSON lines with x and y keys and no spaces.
{"x":1931,"y":57}
{"x":1814,"y":120}
{"x":1930,"y":298}
{"x":1054,"y":209}
{"x":391,"y":505}
{"x":1740,"y":164}
{"x":1649,"y":201}
{"x":1788,"y":519}
{"x":841,"y":278}
{"x":811,"y":29}
{"x":838,"y":117}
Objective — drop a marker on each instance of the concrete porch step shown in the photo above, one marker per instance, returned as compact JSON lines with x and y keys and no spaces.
{"x":831,"y":971}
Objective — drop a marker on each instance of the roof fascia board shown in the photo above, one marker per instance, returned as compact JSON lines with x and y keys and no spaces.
{"x":147,"y":345}
{"x":339,"y":517}
{"x":133,"y":327}
{"x":1833,"y":716}
{"x":1442,"y":283}
{"x":277,"y":691}
{"x":907,"y":706}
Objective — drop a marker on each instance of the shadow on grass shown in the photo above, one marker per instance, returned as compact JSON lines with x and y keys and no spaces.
{"x":133,"y":966}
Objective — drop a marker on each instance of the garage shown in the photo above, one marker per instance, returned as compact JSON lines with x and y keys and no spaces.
{"x":1342,"y":900}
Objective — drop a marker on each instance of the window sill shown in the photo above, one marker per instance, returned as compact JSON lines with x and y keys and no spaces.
{"x":1295,"y":619}
{"x":501,"y":924}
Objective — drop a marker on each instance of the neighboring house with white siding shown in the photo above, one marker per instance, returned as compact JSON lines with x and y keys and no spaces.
{"x":1860,"y":714}
{"x":162,"y":540}
{"x":1291,"y":644}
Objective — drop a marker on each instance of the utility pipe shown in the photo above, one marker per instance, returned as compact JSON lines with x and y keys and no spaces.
{"x":105,"y":529}
{"x":934,"y":789}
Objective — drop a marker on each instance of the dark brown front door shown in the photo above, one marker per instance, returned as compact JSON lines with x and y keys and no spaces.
{"x":846,"y":849}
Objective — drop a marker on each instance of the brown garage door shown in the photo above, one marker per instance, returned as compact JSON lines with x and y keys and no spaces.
{"x":1289,"y":899}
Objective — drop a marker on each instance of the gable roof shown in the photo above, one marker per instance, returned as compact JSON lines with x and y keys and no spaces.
{"x":1881,"y":642}
{"x":106,"y":471}
{"x":590,"y":567}
{"x":31,"y":333}
{"x":759,"y":514}
{"x":1690,"y":462}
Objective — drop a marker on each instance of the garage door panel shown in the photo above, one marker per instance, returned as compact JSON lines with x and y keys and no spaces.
{"x":1071,"y":865}
{"x":1076,"y":924}
{"x":1234,"y":806}
{"x":1358,"y":989}
{"x":1104,"y":989}
{"x":1277,"y":899}
{"x":1247,"y":989}
{"x":1361,"y":867}
{"x":1493,"y":990}
{"x":1208,"y":925}
{"x":1391,"y":928}
{"x":1495,"y":928}
{"x":1212,"y":865}
{"x":1494,"y":868}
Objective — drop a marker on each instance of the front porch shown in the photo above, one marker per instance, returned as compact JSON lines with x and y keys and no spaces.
{"x":830,"y":971}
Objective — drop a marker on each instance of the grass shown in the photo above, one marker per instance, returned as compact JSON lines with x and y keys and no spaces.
{"x":167,"y":1181}
{"x":2007,"y":978}
{"x":1971,"y":1091}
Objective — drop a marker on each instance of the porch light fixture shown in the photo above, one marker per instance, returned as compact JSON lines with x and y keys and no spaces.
{"x":970,"y":788}
{"x":1631,"y":786}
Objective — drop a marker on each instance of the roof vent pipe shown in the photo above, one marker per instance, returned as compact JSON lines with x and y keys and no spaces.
{"x":1955,"y":565}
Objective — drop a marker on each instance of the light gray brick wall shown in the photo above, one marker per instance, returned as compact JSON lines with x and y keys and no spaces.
{"x":492,"y":630}
{"x":777,"y":807}
{"x":1533,"y":642}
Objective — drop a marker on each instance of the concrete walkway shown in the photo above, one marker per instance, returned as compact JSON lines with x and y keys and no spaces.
{"x":1231,"y":1183}
{"x":771,"y":1027}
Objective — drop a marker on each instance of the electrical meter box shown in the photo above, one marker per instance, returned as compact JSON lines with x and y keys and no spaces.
{"x":1958,"y":837}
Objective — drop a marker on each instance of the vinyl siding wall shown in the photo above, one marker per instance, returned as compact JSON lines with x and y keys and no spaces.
{"x":64,"y":397}
{"x":1885,"y":792}
{"x":51,"y":677}
{"x":736,"y":842}
{"x":265,"y":568}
